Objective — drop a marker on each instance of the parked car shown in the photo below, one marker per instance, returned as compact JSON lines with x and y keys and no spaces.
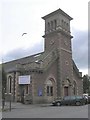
{"x":70,"y":100}
{"x":88,"y":99}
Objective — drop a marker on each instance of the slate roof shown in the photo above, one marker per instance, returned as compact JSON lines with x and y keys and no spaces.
{"x":58,"y":11}
{"x":35,"y":61}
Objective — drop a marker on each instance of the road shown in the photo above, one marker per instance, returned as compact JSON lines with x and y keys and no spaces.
{"x":42,"y":111}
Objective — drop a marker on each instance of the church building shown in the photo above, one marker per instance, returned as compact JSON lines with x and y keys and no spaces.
{"x":48,"y":75}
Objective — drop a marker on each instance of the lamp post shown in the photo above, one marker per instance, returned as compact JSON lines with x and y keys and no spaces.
{"x":3,"y":99}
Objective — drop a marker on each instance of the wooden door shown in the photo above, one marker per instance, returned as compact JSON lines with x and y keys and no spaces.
{"x":65,"y":91}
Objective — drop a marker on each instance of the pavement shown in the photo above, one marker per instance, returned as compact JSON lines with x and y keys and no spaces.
{"x":17,"y":105}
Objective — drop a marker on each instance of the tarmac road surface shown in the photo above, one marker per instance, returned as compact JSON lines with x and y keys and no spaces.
{"x":46,"y":111}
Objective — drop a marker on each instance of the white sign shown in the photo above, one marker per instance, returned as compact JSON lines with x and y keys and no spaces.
{"x":25,"y":79}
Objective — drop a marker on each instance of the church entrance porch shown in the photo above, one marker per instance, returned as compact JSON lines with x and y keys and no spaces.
{"x":67,"y":88}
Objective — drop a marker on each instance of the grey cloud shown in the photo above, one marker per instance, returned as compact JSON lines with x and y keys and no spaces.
{"x":80,"y":49}
{"x":21,"y":52}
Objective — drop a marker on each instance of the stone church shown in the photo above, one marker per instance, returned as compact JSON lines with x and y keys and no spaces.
{"x":52,"y":73}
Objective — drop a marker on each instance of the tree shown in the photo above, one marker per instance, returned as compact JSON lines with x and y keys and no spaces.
{"x":86,"y":84}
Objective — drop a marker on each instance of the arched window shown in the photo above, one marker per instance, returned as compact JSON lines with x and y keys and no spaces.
{"x":48,"y":26}
{"x":49,"y":88}
{"x":51,"y":25}
{"x":55,"y":22}
{"x":10,"y":84}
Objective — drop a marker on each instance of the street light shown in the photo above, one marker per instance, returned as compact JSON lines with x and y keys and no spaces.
{"x":3,"y":99}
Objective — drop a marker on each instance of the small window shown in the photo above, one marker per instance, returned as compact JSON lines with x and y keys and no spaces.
{"x":51,"y":91}
{"x":55,"y":22}
{"x":67,"y":26}
{"x":51,"y":24}
{"x":10,"y":84}
{"x":66,"y":62}
{"x":47,"y":90}
{"x":48,"y":26}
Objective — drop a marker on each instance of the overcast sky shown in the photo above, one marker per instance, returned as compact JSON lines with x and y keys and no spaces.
{"x":19,"y":16}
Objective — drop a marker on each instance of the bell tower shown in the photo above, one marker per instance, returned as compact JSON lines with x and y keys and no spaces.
{"x":55,"y":23}
{"x":57,"y":35}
